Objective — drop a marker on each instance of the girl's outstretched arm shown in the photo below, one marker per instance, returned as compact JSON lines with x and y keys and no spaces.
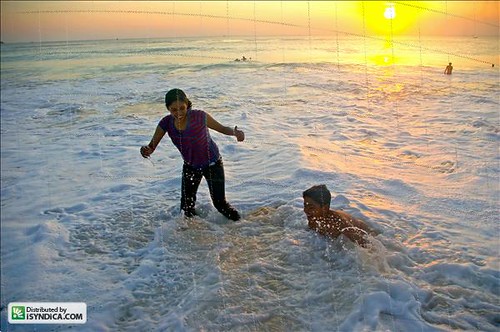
{"x":147,"y":150}
{"x":213,"y":124}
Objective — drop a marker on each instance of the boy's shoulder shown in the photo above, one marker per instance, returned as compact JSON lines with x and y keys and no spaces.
{"x":341,"y":214}
{"x":340,"y":217}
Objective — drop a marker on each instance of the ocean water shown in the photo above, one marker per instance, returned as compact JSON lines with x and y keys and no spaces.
{"x":414,"y":153}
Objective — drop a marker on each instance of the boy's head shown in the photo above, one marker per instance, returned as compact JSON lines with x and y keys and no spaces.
{"x":316,"y":201}
{"x":176,"y":95}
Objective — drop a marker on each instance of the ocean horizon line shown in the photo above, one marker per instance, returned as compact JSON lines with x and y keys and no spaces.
{"x":262,"y":37}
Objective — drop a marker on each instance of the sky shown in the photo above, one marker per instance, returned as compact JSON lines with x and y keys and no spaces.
{"x":35,"y":21}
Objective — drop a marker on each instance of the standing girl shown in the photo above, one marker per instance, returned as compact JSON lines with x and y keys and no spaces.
{"x":188,"y":130}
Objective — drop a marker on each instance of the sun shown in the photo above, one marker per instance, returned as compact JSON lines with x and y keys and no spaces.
{"x":390,"y":11}
{"x":391,"y":17}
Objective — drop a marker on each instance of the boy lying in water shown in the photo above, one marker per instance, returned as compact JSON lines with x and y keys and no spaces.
{"x":332,"y":222}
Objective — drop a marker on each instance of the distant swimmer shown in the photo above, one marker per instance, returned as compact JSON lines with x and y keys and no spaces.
{"x":332,"y":223}
{"x":243,"y":58}
{"x":448,"y":69}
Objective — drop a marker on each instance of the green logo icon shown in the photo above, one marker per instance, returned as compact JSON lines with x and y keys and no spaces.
{"x":18,"y":313}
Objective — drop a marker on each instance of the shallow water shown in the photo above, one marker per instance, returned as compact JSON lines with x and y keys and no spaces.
{"x":413,"y":153}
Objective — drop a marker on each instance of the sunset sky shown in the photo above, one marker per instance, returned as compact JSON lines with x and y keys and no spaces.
{"x":23,"y":21}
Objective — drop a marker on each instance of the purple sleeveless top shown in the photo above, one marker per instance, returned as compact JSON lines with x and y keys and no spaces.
{"x":194,"y":143}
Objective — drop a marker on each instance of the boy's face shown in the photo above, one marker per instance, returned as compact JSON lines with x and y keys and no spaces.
{"x":178,"y":109}
{"x":312,"y":209}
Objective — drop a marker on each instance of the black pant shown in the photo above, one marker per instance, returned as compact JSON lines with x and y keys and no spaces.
{"x":214,"y":175}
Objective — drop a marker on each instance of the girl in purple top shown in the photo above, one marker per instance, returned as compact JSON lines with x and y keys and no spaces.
{"x":188,"y":130}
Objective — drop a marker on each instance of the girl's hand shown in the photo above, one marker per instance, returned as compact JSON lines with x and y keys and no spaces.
{"x":240,"y":135}
{"x":146,"y":151}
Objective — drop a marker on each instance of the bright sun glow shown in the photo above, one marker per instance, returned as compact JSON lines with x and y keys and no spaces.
{"x":385,"y":18}
{"x":390,"y":11}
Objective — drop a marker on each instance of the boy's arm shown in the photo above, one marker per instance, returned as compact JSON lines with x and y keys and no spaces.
{"x":351,"y":221}
{"x":360,"y":224}
{"x":213,"y":124}
{"x":354,"y":229}
{"x":356,"y":235}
